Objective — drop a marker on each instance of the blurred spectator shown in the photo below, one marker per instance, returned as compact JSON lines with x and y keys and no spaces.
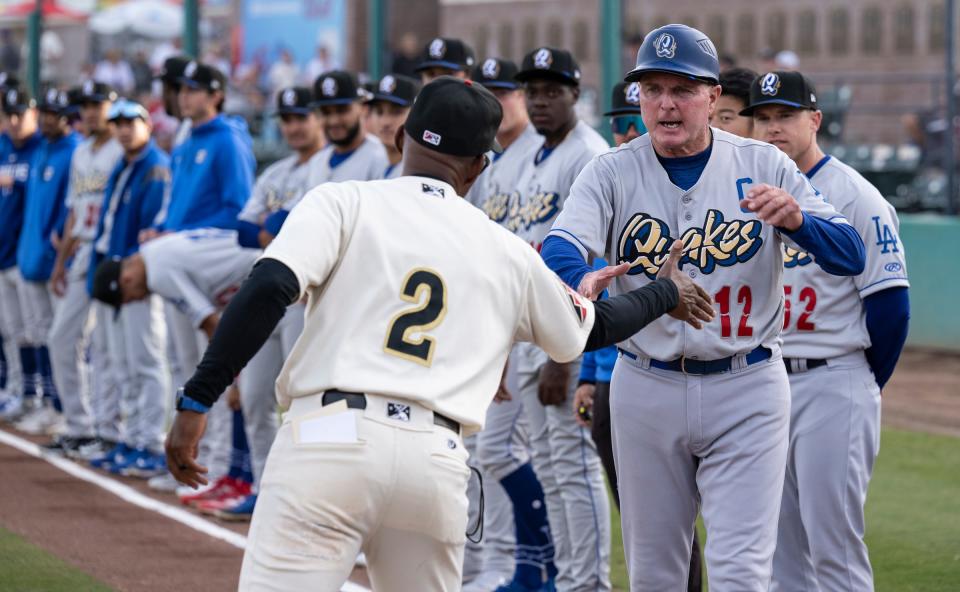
{"x":727,"y":61}
{"x":320,"y":63}
{"x":142,"y":74}
{"x":215,"y":57}
{"x":162,"y":51}
{"x":406,"y":58}
{"x":928,"y":130}
{"x":51,"y":52}
{"x":283,"y":73}
{"x":9,"y":53}
{"x":115,"y":71}
{"x":786,"y":60}
{"x":768,"y":60}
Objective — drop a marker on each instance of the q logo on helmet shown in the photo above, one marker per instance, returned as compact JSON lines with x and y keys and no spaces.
{"x":388,"y":84}
{"x":542,"y":59}
{"x":329,"y":87}
{"x":770,"y":85}
{"x":491,"y":68}
{"x":666,"y":45}
{"x":632,"y":93}
{"x":437,"y":48}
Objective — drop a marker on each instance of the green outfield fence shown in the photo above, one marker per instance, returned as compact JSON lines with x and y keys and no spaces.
{"x":932,"y":243}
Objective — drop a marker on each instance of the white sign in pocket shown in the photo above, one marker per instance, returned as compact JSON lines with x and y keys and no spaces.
{"x":334,"y":424}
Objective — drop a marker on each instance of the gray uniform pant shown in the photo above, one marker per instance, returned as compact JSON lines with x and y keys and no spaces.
{"x":36,"y":311}
{"x":137,"y":346}
{"x":566,"y":463}
{"x":717,"y":443}
{"x":258,"y":388}
{"x":834,"y":441}
{"x":11,"y":326}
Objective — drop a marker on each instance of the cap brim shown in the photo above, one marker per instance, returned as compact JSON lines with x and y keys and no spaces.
{"x":92,"y":99}
{"x":295,"y":111}
{"x":390,"y":99}
{"x":500,"y":84}
{"x":18,"y":109}
{"x":341,"y":101}
{"x":528,"y":75}
{"x":440,"y":64}
{"x":635,"y":75}
{"x":623,"y":111}
{"x":189,"y":82}
{"x":496,"y":147}
{"x":748,"y":111}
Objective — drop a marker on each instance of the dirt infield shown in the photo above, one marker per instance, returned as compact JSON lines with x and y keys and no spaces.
{"x":137,"y":550}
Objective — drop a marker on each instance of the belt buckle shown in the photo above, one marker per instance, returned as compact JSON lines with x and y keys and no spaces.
{"x":683,"y":363}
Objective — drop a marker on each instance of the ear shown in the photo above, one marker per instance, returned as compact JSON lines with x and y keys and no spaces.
{"x":575,"y":90}
{"x":474,"y":170}
{"x":398,"y":139}
{"x":816,"y":118}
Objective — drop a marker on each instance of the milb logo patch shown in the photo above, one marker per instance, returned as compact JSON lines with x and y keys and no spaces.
{"x":645,"y":242}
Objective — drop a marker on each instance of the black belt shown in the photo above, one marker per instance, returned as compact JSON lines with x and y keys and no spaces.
{"x":811,"y":364}
{"x":359,"y":401}
{"x":700,"y":367}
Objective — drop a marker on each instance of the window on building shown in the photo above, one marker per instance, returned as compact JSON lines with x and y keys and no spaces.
{"x":481,"y":39}
{"x":581,"y":41}
{"x":747,"y":35}
{"x":555,"y":34}
{"x":871,"y":30}
{"x":717,"y":31}
{"x":937,"y":34}
{"x":904,"y":31}
{"x":839,"y":31}
{"x":505,"y":41}
{"x":807,"y":41}
{"x":776,"y":33}
{"x":529,"y":41}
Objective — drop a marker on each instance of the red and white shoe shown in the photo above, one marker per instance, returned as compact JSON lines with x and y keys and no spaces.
{"x":210,"y":507}
{"x":222,"y":488}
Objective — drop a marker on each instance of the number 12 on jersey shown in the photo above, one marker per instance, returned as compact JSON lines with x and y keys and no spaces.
{"x":424,"y":288}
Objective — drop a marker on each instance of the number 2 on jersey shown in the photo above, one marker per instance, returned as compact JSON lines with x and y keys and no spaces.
{"x":745,"y":300}
{"x":424,"y":288}
{"x":808,"y":296}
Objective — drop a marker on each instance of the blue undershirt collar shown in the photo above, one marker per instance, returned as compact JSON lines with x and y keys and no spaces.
{"x":337,"y":158}
{"x":685,"y":171}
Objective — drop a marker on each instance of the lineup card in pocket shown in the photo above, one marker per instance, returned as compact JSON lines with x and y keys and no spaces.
{"x":334,"y":424}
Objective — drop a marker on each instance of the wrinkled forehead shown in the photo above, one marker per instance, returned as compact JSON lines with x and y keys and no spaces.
{"x":668,"y":81}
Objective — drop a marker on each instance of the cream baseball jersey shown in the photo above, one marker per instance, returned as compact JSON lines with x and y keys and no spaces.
{"x":623,"y":206}
{"x":90,"y":170}
{"x":823,"y":315}
{"x":544,"y":183}
{"x":279,"y":187}
{"x":413,"y":293}
{"x":496,"y":190}
{"x":198,"y":271}
{"x":367,"y":162}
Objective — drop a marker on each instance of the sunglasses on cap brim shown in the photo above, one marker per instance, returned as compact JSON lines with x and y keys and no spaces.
{"x":621,"y":123}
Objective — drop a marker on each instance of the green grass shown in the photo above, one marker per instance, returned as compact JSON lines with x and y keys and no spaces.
{"x":913,"y":516}
{"x":27,"y":568}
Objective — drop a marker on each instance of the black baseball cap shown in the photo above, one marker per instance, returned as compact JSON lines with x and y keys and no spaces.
{"x":106,"y":282}
{"x":54,"y":100}
{"x":297,"y":100}
{"x":172,"y":69}
{"x":15,"y":100}
{"x":8,"y":80}
{"x":396,"y":88}
{"x":736,"y":82}
{"x":92,"y":91}
{"x":203,"y":76}
{"x":337,"y":87}
{"x":625,"y":99}
{"x":550,"y":63}
{"x":496,"y":73}
{"x":444,"y":52}
{"x":456,"y":117}
{"x":782,"y":88}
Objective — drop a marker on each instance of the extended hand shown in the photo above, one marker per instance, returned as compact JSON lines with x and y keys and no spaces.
{"x":695,"y":304}
{"x":583,"y":398}
{"x":595,"y":282}
{"x":58,"y":280}
{"x":181,"y":447}
{"x":774,"y":206}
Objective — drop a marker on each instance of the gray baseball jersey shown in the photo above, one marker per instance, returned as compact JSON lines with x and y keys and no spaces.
{"x":280,"y":187}
{"x":495,"y":192}
{"x":824,"y":317}
{"x":624,"y":206}
{"x":366,"y":163}
{"x":198,"y":271}
{"x":89,"y":172}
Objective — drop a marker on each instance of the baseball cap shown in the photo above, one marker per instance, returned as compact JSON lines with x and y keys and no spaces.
{"x":172,"y":69}
{"x":396,"y":88}
{"x":92,"y":91}
{"x":203,"y":76}
{"x":53,"y":100}
{"x":496,"y":73}
{"x":337,"y":87}
{"x":106,"y":283}
{"x":296,"y":100}
{"x":550,"y":63}
{"x":127,"y":109}
{"x":8,"y":80}
{"x":15,"y":100}
{"x":625,"y":99}
{"x":455,"y":117}
{"x":781,"y":88}
{"x":444,"y":52}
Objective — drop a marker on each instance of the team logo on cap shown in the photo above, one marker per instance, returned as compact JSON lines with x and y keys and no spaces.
{"x":491,"y":68}
{"x":666,"y":45}
{"x":12,"y":96}
{"x":52,"y":96}
{"x":289,"y":97}
{"x":190,"y":70}
{"x":631,"y":93}
{"x":770,"y":84}
{"x":88,"y":87}
{"x":437,"y":48}
{"x":388,"y":84}
{"x":431,"y":138}
{"x":542,"y":59}
{"x":329,"y":87}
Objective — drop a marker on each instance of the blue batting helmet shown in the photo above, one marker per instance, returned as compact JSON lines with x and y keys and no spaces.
{"x":677,"y":49}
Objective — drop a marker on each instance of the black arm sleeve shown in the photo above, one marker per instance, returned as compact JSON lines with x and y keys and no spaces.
{"x":620,"y":317}
{"x":244,"y":327}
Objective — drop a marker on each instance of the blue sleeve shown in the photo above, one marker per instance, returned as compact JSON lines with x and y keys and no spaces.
{"x":563,"y":257}
{"x":152,"y":201}
{"x":236,"y":181}
{"x":588,"y":367}
{"x":837,"y":248}
{"x":888,"y":318}
{"x":248,"y":234}
{"x":274,"y":221}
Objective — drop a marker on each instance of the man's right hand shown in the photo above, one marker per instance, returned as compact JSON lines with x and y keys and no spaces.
{"x":696,"y":306}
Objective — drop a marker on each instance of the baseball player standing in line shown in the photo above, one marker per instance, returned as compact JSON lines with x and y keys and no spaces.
{"x":564,"y":456}
{"x":389,"y":106}
{"x":21,"y":141}
{"x":841,"y":340}
{"x":93,"y":161}
{"x":136,"y":333}
{"x":734,"y":98}
{"x":169,"y":76}
{"x":43,"y":225}
{"x":446,"y":57}
{"x":353,"y":469}
{"x":700,"y":421}
{"x":352,"y":153}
